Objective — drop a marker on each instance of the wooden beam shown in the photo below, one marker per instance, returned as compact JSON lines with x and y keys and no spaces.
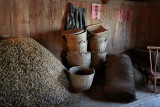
{"x":104,"y":1}
{"x":91,"y":1}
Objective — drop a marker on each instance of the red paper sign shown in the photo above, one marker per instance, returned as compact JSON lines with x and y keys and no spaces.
{"x":128,"y":16}
{"x":96,"y":11}
{"x":120,"y":15}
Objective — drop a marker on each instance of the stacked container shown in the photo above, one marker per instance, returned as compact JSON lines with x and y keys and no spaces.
{"x":77,"y":54}
{"x":97,"y":45}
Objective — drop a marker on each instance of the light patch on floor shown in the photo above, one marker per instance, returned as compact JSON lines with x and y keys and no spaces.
{"x":95,"y":98}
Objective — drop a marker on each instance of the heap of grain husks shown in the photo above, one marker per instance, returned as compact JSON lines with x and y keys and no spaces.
{"x":31,"y":76}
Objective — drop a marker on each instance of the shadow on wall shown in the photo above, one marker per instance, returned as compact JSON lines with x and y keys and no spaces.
{"x":51,"y":41}
{"x":54,"y":41}
{"x":63,"y":43}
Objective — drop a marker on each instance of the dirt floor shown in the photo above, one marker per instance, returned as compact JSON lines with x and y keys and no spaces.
{"x":94,"y":98}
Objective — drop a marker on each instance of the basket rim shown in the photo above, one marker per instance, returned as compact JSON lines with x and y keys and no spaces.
{"x":88,"y":52}
{"x":92,"y":69}
{"x":74,"y":31}
{"x":98,"y":33}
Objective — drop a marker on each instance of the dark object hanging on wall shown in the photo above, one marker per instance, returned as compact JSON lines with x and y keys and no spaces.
{"x":76,"y":18}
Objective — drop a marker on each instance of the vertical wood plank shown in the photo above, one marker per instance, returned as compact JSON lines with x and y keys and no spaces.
{"x":38,"y":20}
{"x":88,"y":14}
{"x":105,"y":22}
{"x":5,"y":17}
{"x":21,"y":18}
{"x":115,"y":29}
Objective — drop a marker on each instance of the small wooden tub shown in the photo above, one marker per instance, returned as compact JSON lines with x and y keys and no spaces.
{"x":81,"y":78}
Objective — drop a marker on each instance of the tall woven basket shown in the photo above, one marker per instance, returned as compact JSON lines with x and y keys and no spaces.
{"x":79,"y":59}
{"x":98,"y":38}
{"x":96,"y":30}
{"x":99,"y":46}
{"x":98,"y":60}
{"x":77,"y":46}
{"x":76,"y":34}
{"x":81,"y":78}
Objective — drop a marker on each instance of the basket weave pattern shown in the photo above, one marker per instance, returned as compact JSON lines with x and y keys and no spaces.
{"x":97,"y":45}
{"x":81,"y":82}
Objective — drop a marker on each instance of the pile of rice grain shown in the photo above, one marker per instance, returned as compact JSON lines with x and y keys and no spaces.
{"x":31,"y":76}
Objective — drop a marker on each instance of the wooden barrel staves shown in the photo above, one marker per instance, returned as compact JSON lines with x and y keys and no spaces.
{"x":79,"y":59}
{"x":81,"y":78}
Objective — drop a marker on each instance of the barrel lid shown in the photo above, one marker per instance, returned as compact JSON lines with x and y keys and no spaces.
{"x":74,"y":31}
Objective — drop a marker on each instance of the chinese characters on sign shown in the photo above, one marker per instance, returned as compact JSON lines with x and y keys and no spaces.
{"x":120,"y":15}
{"x":128,"y":15}
{"x":96,"y":11}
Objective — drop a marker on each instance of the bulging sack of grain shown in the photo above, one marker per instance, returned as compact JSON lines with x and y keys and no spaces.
{"x":31,"y":76}
{"x":81,"y":78}
{"x":119,"y":79}
{"x":79,"y":59}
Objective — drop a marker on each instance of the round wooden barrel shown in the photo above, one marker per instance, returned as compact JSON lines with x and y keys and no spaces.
{"x":81,"y":78}
{"x":79,"y":59}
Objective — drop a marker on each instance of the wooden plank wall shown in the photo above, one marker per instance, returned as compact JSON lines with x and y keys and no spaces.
{"x":43,"y":20}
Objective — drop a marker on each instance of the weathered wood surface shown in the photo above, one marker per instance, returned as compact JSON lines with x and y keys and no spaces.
{"x":5,"y":17}
{"x":44,"y":20}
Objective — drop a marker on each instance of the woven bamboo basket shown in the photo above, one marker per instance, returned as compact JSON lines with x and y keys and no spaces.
{"x":96,"y":30}
{"x":76,"y":34}
{"x":77,"y":46}
{"x":95,"y":45}
{"x":81,"y":78}
{"x":98,"y":60}
{"x":79,"y":59}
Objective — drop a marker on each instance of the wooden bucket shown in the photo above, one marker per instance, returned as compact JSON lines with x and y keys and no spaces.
{"x":96,"y":30}
{"x":81,"y":78}
{"x":79,"y":59}
{"x":95,"y":45}
{"x":76,"y":34}
{"x":77,"y":46}
{"x":98,"y":60}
